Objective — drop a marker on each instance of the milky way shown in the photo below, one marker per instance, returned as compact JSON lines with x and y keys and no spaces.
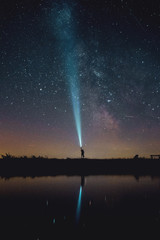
{"x":116,"y":51}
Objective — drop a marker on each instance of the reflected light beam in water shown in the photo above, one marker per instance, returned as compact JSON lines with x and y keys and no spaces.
{"x":78,"y":211}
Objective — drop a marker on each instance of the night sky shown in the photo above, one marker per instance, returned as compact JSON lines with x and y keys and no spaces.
{"x":114,"y":48}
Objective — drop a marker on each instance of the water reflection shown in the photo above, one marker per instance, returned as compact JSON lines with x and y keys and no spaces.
{"x":42,"y":205}
{"x":79,"y":205}
{"x":78,"y":211}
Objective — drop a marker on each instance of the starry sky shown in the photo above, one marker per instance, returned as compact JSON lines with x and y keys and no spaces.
{"x":116,"y":52}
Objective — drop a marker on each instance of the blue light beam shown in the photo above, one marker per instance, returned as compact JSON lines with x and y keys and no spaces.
{"x":78,"y":211}
{"x":66,"y":34}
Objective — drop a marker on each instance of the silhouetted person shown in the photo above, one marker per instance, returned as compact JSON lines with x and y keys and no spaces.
{"x":82,"y":153}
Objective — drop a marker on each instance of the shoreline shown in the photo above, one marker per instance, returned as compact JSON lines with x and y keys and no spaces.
{"x":36,"y":167}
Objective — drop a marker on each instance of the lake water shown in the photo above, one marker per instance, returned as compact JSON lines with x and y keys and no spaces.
{"x":40,"y":207}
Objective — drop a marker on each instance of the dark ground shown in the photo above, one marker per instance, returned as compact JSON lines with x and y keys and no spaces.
{"x":10,"y":166}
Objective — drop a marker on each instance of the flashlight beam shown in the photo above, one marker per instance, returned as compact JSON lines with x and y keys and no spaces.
{"x":65,"y":29}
